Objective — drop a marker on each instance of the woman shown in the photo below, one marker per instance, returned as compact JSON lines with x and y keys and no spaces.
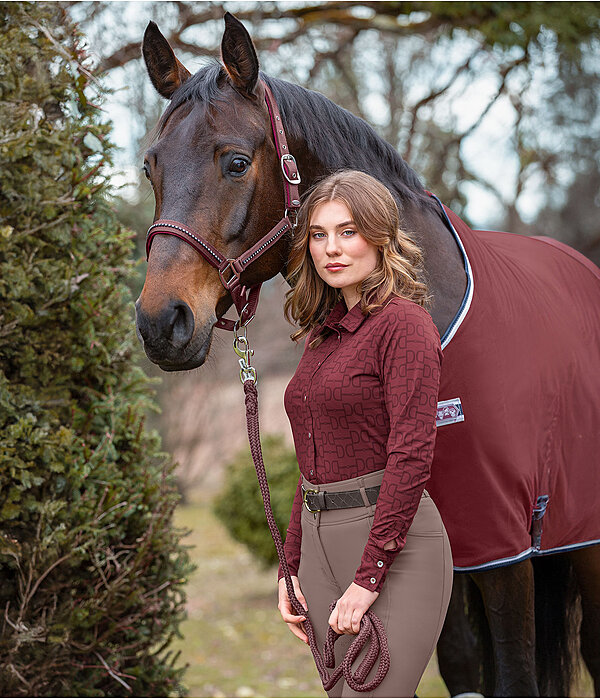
{"x":362,"y":407}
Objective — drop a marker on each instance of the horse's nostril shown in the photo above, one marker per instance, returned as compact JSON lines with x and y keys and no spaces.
{"x":142,"y":323}
{"x":180,"y":325}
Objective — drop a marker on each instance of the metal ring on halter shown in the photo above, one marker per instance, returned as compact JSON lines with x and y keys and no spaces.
{"x":238,"y":323}
{"x":237,"y":328}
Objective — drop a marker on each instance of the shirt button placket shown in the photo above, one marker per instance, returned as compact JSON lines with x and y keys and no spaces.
{"x":309,"y":433}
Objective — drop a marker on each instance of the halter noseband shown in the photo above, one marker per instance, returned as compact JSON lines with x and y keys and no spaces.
{"x":230,"y":269}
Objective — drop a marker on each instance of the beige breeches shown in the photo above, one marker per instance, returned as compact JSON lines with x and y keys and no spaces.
{"x":413,"y":600}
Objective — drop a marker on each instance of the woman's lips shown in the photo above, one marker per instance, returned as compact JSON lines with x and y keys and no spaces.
{"x":335,"y":266}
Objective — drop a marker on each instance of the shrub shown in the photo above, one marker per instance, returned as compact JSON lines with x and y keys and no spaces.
{"x":91,"y":569}
{"x":239,"y":506}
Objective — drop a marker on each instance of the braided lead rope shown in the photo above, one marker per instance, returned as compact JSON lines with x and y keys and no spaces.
{"x":371,"y":631}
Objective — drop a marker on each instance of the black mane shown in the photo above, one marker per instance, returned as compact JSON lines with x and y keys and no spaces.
{"x":338,"y":137}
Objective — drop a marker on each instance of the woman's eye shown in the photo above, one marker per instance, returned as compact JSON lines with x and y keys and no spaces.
{"x":318,"y":234}
{"x":238,"y":166}
{"x":349,"y":231}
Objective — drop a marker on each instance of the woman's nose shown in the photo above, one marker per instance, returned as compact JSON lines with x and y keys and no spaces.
{"x":332,"y":247}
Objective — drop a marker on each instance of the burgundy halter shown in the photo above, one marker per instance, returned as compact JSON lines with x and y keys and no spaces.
{"x":230,"y":269}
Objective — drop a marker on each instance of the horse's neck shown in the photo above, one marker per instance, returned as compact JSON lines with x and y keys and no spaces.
{"x":444,"y":266}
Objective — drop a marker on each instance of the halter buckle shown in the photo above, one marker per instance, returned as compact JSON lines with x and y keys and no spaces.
{"x":242,"y":324}
{"x":294,"y":179}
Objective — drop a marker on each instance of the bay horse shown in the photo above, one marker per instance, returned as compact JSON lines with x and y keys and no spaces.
{"x":518,"y":406}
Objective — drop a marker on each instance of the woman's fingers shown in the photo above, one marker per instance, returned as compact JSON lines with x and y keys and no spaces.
{"x":298,"y":630}
{"x":333,"y":620}
{"x":301,"y":598}
{"x":350,"y":608}
{"x":293,"y":621}
{"x":287,"y":613}
{"x":349,"y":620}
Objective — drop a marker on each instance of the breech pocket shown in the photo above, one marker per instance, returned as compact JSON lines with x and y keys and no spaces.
{"x":427,"y":521}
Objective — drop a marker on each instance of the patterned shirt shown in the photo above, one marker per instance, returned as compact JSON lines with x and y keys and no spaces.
{"x":365,"y":399}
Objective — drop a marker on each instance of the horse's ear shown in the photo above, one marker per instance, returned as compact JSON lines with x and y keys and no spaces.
{"x":165,"y":71}
{"x":239,"y":55}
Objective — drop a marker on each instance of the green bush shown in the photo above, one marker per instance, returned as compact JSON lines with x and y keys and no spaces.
{"x":91,"y":569}
{"x":239,"y":506}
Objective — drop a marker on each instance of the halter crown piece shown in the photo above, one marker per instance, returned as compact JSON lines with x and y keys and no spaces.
{"x":244,"y":298}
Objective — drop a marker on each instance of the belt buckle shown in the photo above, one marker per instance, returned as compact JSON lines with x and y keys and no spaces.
{"x":305,"y":492}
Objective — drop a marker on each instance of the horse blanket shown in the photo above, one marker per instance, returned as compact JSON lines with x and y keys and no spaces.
{"x":515,"y":472}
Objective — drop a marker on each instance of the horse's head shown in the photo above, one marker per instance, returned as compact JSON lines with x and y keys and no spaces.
{"x":214,"y":168}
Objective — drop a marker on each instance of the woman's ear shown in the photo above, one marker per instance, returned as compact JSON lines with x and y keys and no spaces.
{"x":239,"y":56}
{"x":165,"y":71}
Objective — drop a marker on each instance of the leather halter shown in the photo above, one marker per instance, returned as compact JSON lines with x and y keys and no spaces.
{"x":230,"y":269}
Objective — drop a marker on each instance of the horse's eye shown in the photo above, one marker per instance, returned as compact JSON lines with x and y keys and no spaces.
{"x":146,"y":170}
{"x":238,"y":165}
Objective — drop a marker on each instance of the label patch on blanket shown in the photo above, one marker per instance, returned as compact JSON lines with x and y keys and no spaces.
{"x":449,"y":411}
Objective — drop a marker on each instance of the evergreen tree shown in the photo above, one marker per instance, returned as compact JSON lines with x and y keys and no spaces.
{"x":91,"y":568}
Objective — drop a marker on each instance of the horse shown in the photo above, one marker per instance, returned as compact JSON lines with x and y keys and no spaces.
{"x":516,"y":617}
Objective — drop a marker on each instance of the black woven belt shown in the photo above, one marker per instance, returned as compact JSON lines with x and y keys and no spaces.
{"x":324,"y":500}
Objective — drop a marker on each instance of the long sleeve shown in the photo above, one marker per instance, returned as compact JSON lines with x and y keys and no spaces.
{"x":293,"y":538}
{"x":409,"y":361}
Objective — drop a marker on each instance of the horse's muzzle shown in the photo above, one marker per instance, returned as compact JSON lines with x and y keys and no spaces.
{"x":169,"y":339}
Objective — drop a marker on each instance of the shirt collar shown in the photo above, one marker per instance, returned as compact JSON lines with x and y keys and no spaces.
{"x":339,"y":316}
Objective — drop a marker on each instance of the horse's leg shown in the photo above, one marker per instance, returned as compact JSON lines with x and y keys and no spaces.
{"x":508,"y":597}
{"x":458,"y":652}
{"x":586,"y":563}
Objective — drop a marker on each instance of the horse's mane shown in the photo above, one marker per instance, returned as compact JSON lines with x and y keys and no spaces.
{"x":337,"y":137}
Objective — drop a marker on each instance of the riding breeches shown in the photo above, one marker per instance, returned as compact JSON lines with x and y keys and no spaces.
{"x":414,"y":597}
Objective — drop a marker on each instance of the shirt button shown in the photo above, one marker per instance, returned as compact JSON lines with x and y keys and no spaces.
{"x":380,"y":563}
{"x":312,"y":472}
{"x":305,"y":397}
{"x":310,"y":434}
{"x":373,"y":580}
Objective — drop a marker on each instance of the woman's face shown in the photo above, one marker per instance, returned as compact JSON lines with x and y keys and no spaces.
{"x":342,"y":257}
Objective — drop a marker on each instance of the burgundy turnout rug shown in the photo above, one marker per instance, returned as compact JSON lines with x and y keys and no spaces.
{"x":515,"y":472}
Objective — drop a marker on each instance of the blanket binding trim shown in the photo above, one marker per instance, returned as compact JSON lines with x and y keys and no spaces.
{"x":468,"y":298}
{"x":529,"y":553}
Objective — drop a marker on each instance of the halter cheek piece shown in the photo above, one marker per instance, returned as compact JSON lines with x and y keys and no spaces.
{"x":244,"y":298}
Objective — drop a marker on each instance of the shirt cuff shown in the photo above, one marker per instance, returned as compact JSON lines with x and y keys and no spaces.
{"x":373,"y":568}
{"x":293,"y":571}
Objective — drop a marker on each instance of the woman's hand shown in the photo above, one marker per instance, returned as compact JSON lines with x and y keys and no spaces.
{"x":294,"y":622}
{"x":350,"y":608}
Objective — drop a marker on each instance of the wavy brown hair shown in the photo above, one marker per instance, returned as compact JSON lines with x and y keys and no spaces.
{"x":375,"y":213}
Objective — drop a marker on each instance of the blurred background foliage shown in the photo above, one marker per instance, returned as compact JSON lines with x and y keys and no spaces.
{"x":239,"y":505}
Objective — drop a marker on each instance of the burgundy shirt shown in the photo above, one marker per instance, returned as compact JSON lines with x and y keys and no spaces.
{"x":365,"y":400}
